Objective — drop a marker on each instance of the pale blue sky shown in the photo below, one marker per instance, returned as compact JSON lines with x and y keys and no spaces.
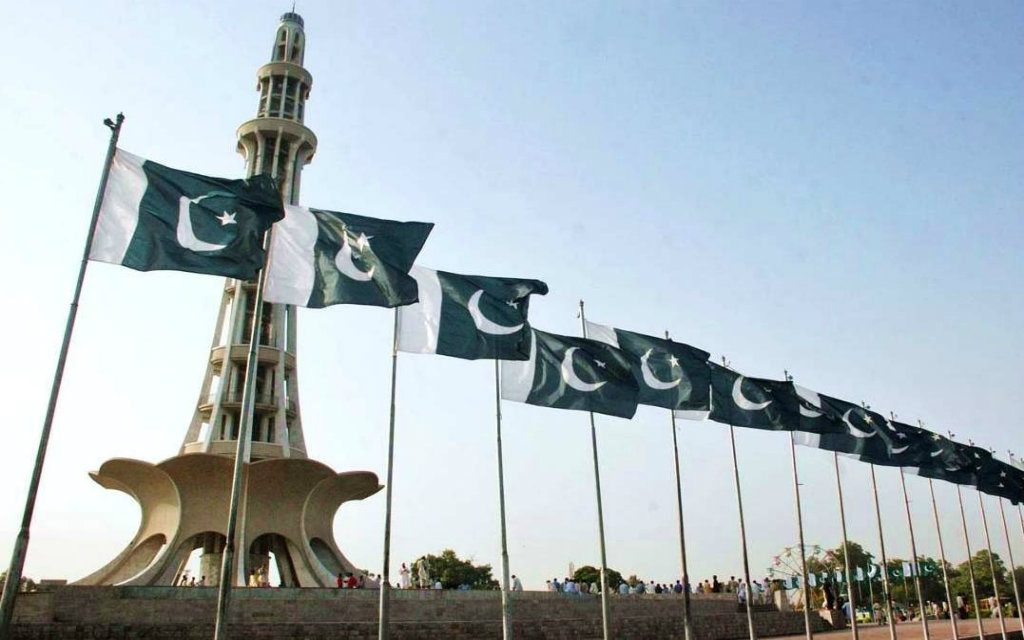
{"x":830,"y":188}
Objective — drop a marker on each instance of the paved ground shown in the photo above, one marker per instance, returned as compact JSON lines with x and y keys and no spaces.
{"x":938,"y":630}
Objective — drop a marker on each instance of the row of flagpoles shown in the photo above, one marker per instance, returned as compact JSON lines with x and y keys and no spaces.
{"x":430,"y":326}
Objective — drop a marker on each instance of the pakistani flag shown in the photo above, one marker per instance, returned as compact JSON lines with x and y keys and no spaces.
{"x":157,"y":218}
{"x":572,"y":373}
{"x":741,"y":401}
{"x":997,"y":478}
{"x":860,"y":437}
{"x":669,"y":374}
{"x":906,"y":445}
{"x":1017,"y":462}
{"x":948,"y":460}
{"x":817,"y":413}
{"x":470,"y":317}
{"x":320,"y":258}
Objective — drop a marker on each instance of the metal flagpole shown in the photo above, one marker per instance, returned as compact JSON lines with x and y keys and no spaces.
{"x":383,"y":632}
{"x":687,"y":622}
{"x":800,"y":529}
{"x":992,"y":567}
{"x":506,"y":614}
{"x":1009,"y":549}
{"x":227,"y":566}
{"x":846,"y":553}
{"x":803,"y":552}
{"x":887,"y":592}
{"x":1020,"y":516}
{"x":914,"y":563}
{"x":13,"y":581}
{"x":970,"y":561}
{"x":688,"y":633}
{"x":743,"y":536}
{"x":942,"y":557}
{"x":743,"y":529}
{"x":605,"y":614}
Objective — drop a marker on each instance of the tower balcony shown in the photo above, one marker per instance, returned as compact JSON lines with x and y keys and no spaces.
{"x":240,"y":353}
{"x":289,"y":69}
{"x":290,"y":130}
{"x":263,"y":403}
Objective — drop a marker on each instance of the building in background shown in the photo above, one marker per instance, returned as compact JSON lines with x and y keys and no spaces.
{"x":289,"y":500}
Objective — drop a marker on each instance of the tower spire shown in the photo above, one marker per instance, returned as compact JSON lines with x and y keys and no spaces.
{"x":290,"y":500}
{"x":276,"y":142}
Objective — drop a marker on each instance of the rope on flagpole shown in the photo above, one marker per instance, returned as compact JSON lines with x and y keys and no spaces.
{"x":14,"y":572}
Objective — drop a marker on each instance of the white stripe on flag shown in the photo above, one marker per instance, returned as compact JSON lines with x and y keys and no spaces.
{"x":691,"y":414}
{"x":602,"y":333}
{"x":807,"y":439}
{"x":517,"y":375}
{"x":291,"y":269}
{"x":420,"y":323}
{"x":119,"y":214}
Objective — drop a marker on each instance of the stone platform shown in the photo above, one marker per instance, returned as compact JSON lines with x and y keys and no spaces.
{"x":122,"y":613}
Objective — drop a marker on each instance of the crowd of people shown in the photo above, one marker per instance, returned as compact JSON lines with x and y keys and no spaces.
{"x":761,"y":593}
{"x":186,"y":580}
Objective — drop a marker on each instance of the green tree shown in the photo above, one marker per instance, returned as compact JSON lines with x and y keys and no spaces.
{"x":904,"y":589}
{"x":454,"y":572}
{"x":858,"y":556}
{"x":592,"y":575}
{"x":982,"y":576}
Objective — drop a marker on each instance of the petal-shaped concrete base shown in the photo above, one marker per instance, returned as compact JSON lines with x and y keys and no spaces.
{"x":289,"y":509}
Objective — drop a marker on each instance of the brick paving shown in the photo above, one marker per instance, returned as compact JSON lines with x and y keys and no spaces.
{"x":937,"y":629}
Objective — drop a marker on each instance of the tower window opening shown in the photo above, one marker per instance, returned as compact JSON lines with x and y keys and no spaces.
{"x":282,"y":162}
{"x":267,"y":330}
{"x":261,"y":385}
{"x":276,"y":91}
{"x":264,"y":99}
{"x":267,"y":161}
{"x":282,"y":43}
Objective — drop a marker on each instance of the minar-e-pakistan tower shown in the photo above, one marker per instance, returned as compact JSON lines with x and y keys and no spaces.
{"x":289,"y":500}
